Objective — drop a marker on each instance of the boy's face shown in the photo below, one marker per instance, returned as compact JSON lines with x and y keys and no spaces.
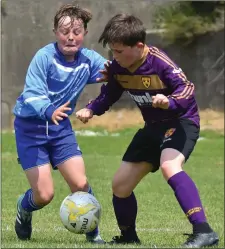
{"x":126,"y":56}
{"x":70,"y":36}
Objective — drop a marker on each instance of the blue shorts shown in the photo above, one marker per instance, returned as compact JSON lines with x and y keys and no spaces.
{"x":39,"y":142}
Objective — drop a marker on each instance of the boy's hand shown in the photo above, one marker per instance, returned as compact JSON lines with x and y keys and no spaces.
{"x":84,"y":115}
{"x":160,"y":101}
{"x":59,"y":113}
{"x":104,"y":72}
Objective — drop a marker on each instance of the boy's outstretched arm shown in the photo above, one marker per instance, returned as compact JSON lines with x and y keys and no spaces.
{"x":109,"y":94}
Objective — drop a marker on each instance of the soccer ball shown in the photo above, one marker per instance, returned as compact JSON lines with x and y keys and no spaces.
{"x":80,"y":212}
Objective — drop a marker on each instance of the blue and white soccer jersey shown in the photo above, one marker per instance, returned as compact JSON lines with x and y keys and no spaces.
{"x":51,"y":82}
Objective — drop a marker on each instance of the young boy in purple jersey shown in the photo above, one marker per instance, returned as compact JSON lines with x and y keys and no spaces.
{"x":55,"y":78}
{"x":166,"y":100}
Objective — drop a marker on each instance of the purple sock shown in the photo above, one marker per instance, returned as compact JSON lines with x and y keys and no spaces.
{"x":188,"y":197}
{"x":126,"y":213}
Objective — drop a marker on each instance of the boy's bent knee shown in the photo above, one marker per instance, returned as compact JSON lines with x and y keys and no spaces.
{"x":43,"y":198}
{"x":121,"y":190}
{"x":82,"y":185}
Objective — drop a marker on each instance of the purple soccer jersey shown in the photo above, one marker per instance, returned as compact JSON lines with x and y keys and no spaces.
{"x":155,"y":73}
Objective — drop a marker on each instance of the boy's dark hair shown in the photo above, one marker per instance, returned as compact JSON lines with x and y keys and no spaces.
{"x":74,"y":12}
{"x":124,"y":29}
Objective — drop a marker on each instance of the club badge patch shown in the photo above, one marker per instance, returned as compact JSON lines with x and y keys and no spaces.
{"x":169,"y":132}
{"x":146,"y":81}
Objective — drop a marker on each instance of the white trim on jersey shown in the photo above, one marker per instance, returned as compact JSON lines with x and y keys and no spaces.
{"x":70,"y":69}
{"x":31,"y":99}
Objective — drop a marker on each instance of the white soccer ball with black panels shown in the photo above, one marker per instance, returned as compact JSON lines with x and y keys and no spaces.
{"x":80,"y":212}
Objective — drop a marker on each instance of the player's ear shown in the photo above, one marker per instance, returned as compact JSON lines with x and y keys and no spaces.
{"x":53,"y":30}
{"x":140,"y":45}
{"x":85,"y":32}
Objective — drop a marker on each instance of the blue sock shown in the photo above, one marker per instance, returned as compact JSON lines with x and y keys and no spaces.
{"x":27,"y":202}
{"x":95,"y":232}
{"x":90,"y":190}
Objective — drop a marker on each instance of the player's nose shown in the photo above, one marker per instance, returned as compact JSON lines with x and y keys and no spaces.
{"x":70,"y":37}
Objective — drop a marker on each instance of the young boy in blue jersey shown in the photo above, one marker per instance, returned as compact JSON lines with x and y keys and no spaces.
{"x":166,"y":99}
{"x":55,"y":78}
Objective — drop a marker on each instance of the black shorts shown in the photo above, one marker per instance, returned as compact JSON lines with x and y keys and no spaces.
{"x":149,"y":141}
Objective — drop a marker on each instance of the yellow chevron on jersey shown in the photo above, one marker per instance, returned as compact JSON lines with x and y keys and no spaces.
{"x":140,"y":82}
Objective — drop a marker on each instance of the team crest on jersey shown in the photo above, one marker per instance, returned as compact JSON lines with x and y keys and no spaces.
{"x":169,"y":132}
{"x":146,"y":81}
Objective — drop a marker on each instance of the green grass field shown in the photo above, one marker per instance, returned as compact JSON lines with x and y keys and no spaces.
{"x":160,"y":221}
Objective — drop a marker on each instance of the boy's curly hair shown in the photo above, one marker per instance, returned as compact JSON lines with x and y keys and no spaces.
{"x":74,"y":12}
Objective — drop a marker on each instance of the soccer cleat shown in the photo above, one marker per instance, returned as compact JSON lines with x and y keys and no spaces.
{"x":198,"y":240}
{"x":95,"y":240}
{"x":23,"y":226}
{"x":124,"y":240}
